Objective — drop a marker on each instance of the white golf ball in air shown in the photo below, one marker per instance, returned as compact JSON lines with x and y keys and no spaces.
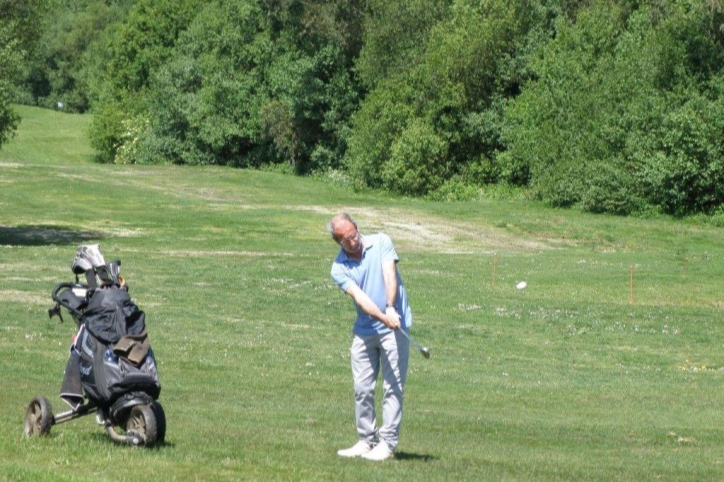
{"x":521,"y":285}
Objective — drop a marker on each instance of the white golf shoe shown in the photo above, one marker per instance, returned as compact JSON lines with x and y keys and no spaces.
{"x":380,"y":452}
{"x":357,"y":450}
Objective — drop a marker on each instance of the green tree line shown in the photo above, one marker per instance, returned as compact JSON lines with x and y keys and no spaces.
{"x":612,"y":106}
{"x":20,"y":27}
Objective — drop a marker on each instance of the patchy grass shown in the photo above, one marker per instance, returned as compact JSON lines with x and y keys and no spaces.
{"x":581,"y":376}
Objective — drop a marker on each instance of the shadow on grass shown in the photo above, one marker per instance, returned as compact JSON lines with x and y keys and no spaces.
{"x":406,"y":456}
{"x":43,"y":235}
{"x":102,"y":437}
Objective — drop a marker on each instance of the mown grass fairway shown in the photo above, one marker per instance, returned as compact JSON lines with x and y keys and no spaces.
{"x":571,"y":379}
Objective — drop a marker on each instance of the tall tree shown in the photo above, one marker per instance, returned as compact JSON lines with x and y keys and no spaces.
{"x":435,"y":111}
{"x":20,"y":26}
{"x":252,"y":82}
{"x":10,"y":61}
{"x":138,"y":47}
{"x":71,"y":47}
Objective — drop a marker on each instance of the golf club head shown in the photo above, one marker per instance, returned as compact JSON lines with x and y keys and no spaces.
{"x":425,"y":351}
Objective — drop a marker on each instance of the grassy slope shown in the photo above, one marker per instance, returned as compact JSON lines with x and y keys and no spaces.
{"x":565,"y":381}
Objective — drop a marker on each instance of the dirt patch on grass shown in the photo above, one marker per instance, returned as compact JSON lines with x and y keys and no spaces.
{"x":184,"y":253}
{"x":452,"y":237}
{"x":24,"y":297}
{"x":106,"y":231}
{"x":434,"y":233}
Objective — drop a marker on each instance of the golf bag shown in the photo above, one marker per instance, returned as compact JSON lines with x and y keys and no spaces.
{"x":111,"y":355}
{"x":114,"y":354}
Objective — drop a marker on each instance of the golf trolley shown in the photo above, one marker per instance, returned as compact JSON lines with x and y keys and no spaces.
{"x":111,"y":370}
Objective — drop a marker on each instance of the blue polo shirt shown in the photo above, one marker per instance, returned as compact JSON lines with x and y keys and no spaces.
{"x":367,"y":274}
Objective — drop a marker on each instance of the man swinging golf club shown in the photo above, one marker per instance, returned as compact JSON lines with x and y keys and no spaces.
{"x":366,"y":270}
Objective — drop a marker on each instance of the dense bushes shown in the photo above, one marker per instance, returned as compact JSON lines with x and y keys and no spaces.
{"x":624,"y":113}
{"x":610,"y":106}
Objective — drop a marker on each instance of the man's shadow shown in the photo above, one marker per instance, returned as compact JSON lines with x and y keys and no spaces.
{"x":407,"y":456}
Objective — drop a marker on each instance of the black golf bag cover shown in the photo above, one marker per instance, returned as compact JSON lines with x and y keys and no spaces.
{"x":115,"y":355}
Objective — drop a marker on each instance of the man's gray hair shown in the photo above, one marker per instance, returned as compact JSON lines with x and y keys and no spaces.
{"x":332,"y":224}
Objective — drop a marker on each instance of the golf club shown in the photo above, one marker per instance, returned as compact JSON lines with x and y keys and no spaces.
{"x":423,"y":349}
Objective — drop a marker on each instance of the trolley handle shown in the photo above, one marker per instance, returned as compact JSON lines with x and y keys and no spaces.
{"x":59,"y":287}
{"x":68,"y":299}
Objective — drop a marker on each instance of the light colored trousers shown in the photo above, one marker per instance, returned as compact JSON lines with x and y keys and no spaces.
{"x":391,"y":353}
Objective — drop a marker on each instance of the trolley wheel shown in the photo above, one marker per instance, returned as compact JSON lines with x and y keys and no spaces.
{"x":38,"y":417}
{"x":142,"y":423}
{"x":160,"y":422}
